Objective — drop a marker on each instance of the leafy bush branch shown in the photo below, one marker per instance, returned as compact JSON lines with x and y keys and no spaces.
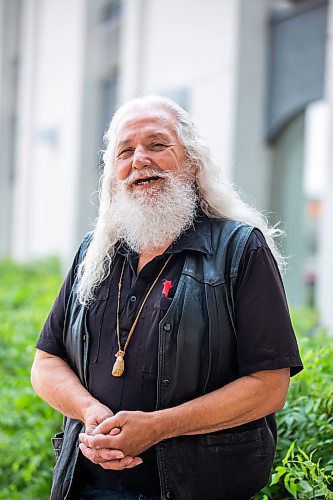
{"x":303,"y":477}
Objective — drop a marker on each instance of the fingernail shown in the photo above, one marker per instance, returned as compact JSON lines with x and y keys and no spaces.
{"x":119,"y":455}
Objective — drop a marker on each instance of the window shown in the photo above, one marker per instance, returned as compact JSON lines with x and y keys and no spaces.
{"x":111,"y":10}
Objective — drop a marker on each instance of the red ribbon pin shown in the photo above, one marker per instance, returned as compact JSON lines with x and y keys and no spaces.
{"x":166,"y":287}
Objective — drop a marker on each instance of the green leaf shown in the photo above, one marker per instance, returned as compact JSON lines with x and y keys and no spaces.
{"x":290,"y":484}
{"x":306,"y":487}
{"x":280,"y":471}
{"x":289,"y":452}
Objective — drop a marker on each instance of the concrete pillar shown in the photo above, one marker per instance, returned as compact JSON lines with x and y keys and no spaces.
{"x":21,"y":218}
{"x":10,"y":12}
{"x":49,"y":129}
{"x":325,"y":284}
{"x":251,"y":156}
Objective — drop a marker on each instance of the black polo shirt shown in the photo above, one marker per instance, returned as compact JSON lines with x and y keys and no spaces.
{"x":265,"y":336}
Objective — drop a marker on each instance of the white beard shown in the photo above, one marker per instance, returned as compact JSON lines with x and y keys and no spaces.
{"x":152,"y":217}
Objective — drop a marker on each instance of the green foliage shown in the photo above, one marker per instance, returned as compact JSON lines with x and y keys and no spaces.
{"x":303,"y":477}
{"x":26,"y":423}
{"x":304,"y":456}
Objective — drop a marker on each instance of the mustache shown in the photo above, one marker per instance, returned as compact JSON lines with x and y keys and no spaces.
{"x":146,"y":172}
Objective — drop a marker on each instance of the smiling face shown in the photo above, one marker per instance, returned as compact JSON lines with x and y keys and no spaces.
{"x":153,"y":189}
{"x":147,"y":148}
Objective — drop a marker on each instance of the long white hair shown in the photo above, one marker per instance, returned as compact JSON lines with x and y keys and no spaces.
{"x":218,"y":198}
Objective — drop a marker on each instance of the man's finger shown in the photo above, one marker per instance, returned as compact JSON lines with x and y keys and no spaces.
{"x":115,"y":431}
{"x":107,"y":454}
{"x":125,"y":463}
{"x":117,"y":464}
{"x":110,"y":423}
{"x":88,"y":453}
{"x":97,"y":457}
{"x":136,"y":461}
{"x":97,"y":442}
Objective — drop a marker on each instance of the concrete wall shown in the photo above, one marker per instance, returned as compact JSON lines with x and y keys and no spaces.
{"x":288,"y":202}
{"x":48,"y":140}
{"x":10,"y":14}
{"x":251,"y":154}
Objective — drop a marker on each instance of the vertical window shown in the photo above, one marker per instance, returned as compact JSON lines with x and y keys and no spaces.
{"x":111,"y":10}
{"x":108,"y":101}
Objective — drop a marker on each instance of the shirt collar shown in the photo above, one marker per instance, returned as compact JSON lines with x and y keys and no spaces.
{"x":197,"y":238}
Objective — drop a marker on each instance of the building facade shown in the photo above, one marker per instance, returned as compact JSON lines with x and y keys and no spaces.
{"x":256,"y":77}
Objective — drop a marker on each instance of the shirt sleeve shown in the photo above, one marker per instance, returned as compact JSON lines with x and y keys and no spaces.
{"x":266,"y":339}
{"x":51,"y":337}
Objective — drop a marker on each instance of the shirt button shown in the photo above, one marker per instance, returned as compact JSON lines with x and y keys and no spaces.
{"x":167,"y":327}
{"x":133,"y":298}
{"x":169,"y":494}
{"x":165,"y":382}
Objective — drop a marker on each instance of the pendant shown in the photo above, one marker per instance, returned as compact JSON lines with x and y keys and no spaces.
{"x":119,"y":365}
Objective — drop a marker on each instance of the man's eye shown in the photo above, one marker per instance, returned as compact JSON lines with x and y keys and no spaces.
{"x":124,"y":153}
{"x":157,"y":146}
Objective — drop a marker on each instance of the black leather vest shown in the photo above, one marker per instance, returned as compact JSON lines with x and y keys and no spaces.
{"x":197,"y":354}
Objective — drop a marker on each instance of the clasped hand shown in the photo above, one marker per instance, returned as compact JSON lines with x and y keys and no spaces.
{"x":117,"y":441}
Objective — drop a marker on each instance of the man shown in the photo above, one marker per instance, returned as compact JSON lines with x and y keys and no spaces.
{"x":169,"y":347}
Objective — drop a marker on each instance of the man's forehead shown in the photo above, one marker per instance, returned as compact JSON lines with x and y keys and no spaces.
{"x":152,"y":120}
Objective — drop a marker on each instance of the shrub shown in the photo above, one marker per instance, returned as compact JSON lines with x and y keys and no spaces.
{"x":304,"y":456}
{"x":26,"y":458}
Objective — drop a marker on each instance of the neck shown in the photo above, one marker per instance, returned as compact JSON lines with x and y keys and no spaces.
{"x":148,"y":255}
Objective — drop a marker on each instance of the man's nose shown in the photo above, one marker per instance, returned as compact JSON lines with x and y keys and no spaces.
{"x":140,"y":158}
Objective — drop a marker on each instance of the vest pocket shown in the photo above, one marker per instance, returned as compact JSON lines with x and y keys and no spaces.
{"x":57,"y":441}
{"x":226,"y":438}
{"x":246,"y":456}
